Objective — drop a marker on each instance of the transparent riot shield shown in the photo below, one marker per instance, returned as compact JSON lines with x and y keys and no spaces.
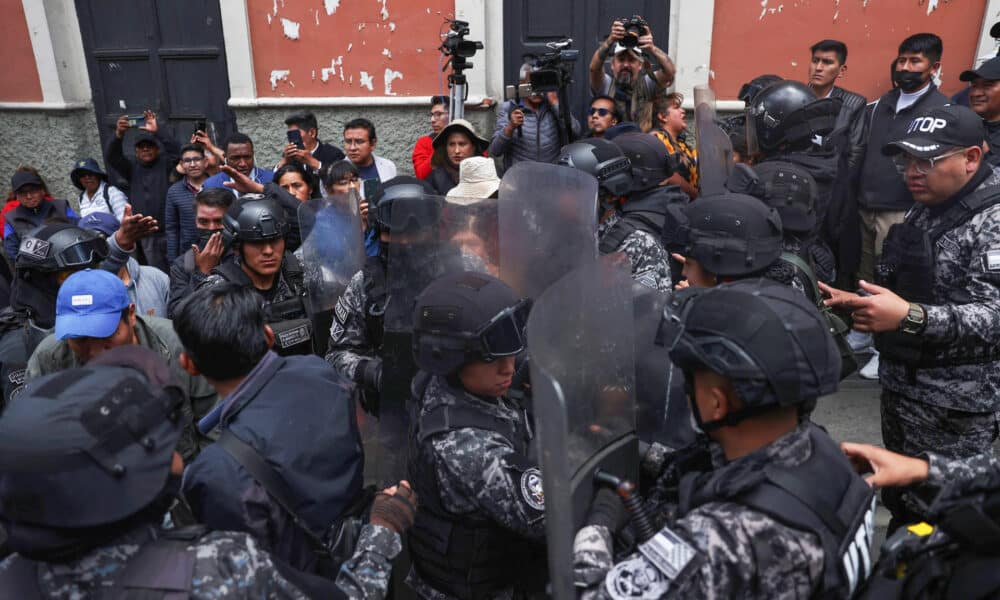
{"x":582,"y":370}
{"x":715,"y":149}
{"x":332,"y":252}
{"x":662,"y":411}
{"x":430,"y":237}
{"x":548,"y":224}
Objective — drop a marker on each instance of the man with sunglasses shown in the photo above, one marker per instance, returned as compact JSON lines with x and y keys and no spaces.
{"x":603,"y":113}
{"x":768,"y":506}
{"x":49,"y":254}
{"x":481,"y":504}
{"x":93,"y":314}
{"x":935,"y":312}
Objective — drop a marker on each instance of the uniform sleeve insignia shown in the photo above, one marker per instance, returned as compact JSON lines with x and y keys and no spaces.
{"x":531,"y":488}
{"x":635,"y":579}
{"x":991,"y":261}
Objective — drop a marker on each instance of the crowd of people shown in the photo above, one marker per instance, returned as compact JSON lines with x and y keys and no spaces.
{"x":189,"y":411}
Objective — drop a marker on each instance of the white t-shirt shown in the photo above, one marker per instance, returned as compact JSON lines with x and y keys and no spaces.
{"x":907,"y":100}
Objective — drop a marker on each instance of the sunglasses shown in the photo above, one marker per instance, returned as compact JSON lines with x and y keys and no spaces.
{"x":603,"y":112}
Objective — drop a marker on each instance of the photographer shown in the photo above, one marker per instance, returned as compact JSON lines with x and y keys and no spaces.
{"x":529,"y":130}
{"x":631,"y":43}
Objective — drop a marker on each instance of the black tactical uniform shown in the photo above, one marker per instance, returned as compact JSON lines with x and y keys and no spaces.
{"x":257,"y":219}
{"x":44,"y":252}
{"x":790,"y":519}
{"x":482,"y":506}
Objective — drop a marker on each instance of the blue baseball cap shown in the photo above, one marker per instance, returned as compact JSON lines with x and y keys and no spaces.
{"x":102,"y":222}
{"x":90,"y":304}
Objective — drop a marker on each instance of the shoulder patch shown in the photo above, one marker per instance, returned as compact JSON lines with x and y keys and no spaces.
{"x":531,"y":488}
{"x":991,"y":261}
{"x":635,"y":579}
{"x":341,"y":311}
{"x":16,"y":376}
{"x":667,"y":552}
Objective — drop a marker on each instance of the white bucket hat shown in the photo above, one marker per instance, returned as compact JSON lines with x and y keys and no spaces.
{"x":477,"y":179}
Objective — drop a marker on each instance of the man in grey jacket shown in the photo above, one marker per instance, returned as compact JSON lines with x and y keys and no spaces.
{"x":529,"y":130}
{"x":93,"y":314}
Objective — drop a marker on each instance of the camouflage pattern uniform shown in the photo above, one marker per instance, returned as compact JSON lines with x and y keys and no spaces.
{"x":283,"y":289}
{"x":479,"y":475}
{"x":952,"y":409}
{"x":733,"y":551}
{"x":227,"y":565}
{"x":349,"y":340}
{"x":645,"y":253}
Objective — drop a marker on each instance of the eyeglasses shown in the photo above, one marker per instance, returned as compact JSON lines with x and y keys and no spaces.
{"x":600,"y":111}
{"x":922,"y":165}
{"x":349,"y":143}
{"x":438,"y":115}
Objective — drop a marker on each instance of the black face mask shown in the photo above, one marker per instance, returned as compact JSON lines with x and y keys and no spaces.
{"x":908,"y":81}
{"x":204,"y":235}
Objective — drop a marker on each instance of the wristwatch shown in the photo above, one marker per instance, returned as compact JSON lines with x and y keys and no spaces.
{"x":914,"y":321}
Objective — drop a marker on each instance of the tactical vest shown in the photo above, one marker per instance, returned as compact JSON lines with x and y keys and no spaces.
{"x":376,"y":293}
{"x":465,"y":556}
{"x":822,"y":496}
{"x":635,"y":216}
{"x":288,"y":318}
{"x":162,"y":569}
{"x":24,"y":219}
{"x":909,"y":257}
{"x":18,"y":340}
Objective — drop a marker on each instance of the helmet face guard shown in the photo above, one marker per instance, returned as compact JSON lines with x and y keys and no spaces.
{"x":83,"y":254}
{"x":501,"y":337}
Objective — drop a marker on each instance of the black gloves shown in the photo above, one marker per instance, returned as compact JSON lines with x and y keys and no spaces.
{"x":369,"y":374}
{"x":395,"y":511}
{"x":608,"y":511}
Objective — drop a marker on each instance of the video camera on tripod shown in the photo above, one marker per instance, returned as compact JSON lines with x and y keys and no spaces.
{"x":553,"y":71}
{"x":458,"y":50}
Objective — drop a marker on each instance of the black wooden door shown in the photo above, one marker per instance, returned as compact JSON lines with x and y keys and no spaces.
{"x":529,"y":24}
{"x":166,"y":55}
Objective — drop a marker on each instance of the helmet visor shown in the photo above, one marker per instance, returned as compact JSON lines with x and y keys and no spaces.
{"x":699,"y":351}
{"x":84,"y":253}
{"x":504,"y":334}
{"x":753,"y":143}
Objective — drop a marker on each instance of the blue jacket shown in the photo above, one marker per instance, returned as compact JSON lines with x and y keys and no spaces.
{"x":259,"y":175}
{"x":21,"y":220}
{"x":298,"y":414}
{"x":179,"y":220}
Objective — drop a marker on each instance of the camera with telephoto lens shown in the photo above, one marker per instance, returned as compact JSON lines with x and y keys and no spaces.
{"x":635,"y":27}
{"x":553,"y":70}
{"x":455,"y":44}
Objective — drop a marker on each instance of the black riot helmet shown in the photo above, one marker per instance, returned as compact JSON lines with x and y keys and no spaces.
{"x":730,"y":235}
{"x":788,"y":113}
{"x":465,"y":317}
{"x":766,"y":338}
{"x":602,"y":159}
{"x":418,"y":207}
{"x":650,"y":161}
{"x":60,"y":246}
{"x":753,"y":87}
{"x":255,"y":219}
{"x":110,"y":431}
{"x":785,"y":187}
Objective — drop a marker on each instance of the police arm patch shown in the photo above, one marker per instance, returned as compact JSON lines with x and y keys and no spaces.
{"x":635,"y":579}
{"x":991,"y":261}
{"x":668,"y":553}
{"x":531,"y":488}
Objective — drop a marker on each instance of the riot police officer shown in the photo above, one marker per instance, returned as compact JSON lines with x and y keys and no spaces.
{"x":111,"y":428}
{"x":786,"y":122}
{"x":257,"y":228}
{"x":355,"y":347}
{"x":481,"y":497}
{"x":756,"y":523}
{"x":935,"y":312}
{"x":725,"y":237}
{"x":628,"y":222}
{"x":48,"y":255}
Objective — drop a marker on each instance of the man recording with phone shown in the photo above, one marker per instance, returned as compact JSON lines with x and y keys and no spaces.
{"x":304,"y":145}
{"x":638,"y":68}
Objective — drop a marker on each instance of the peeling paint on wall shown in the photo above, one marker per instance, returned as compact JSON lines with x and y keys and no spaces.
{"x":385,"y":11}
{"x":290,"y":28}
{"x":331,"y":6}
{"x":279,"y":75}
{"x":931,"y":6}
{"x":391,"y":76}
{"x":367,"y":81}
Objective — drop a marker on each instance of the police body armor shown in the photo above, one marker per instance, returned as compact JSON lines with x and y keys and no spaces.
{"x":461,"y":555}
{"x":288,"y":318}
{"x":18,"y":339}
{"x":822,"y":496}
{"x":909,"y":257}
{"x":646,"y":211}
